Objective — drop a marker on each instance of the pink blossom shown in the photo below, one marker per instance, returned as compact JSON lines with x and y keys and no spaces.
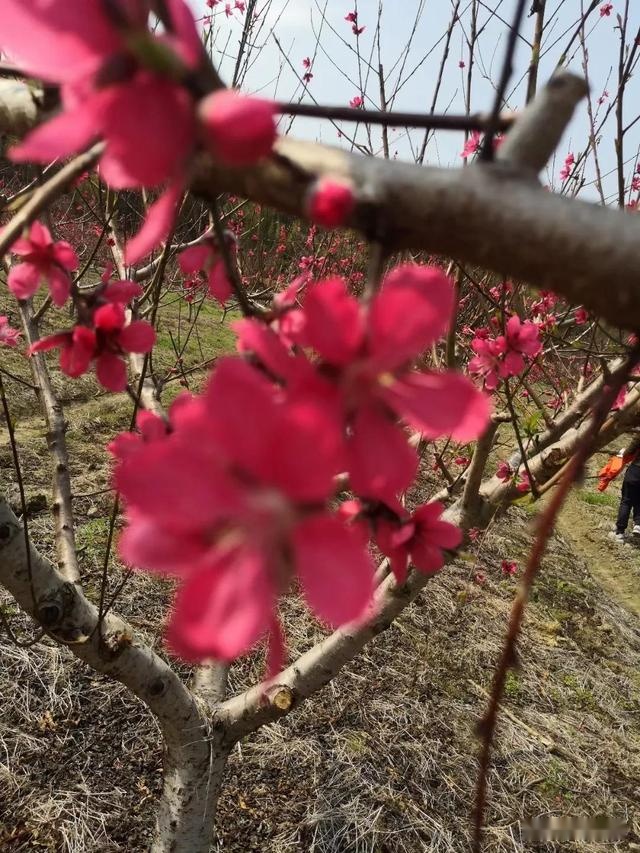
{"x":471,"y":145}
{"x":8,"y":337}
{"x":480,"y":578}
{"x":509,"y":567}
{"x":331,"y":202}
{"x":521,"y":339}
{"x":204,"y":256}
{"x":420,"y":541}
{"x":42,"y":260}
{"x":364,"y":372}
{"x":487,"y":360}
{"x":524,"y":484}
{"x":234,"y":511}
{"x":105,"y":342}
{"x":356,"y":102}
{"x":568,"y":167}
{"x":620,"y":399}
{"x":606,"y":9}
{"x":503,"y":356}
{"x":240,"y":130}
{"x":581,"y":316}
{"x":461,"y":63}
{"x":504,"y":472}
{"x":147,"y":119}
{"x":118,"y":82}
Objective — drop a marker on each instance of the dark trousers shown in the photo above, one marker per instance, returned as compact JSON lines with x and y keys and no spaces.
{"x":630,"y":501}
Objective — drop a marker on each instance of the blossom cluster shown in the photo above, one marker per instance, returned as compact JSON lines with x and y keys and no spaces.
{"x":103,"y":335}
{"x":502,"y":356}
{"x":237,"y":494}
{"x":138,"y":90}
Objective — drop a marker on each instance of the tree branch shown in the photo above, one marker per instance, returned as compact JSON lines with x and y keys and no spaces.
{"x":537,"y":132}
{"x":57,"y":444}
{"x":195,"y":751}
{"x":572,"y":247}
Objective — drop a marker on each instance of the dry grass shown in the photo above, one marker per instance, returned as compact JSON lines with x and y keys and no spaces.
{"x":383,"y":760}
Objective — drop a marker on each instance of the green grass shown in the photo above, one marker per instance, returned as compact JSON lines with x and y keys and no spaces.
{"x":599,"y":498}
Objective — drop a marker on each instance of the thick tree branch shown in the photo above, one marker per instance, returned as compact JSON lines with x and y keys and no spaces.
{"x":491,"y":215}
{"x":487,"y":215}
{"x":20,"y":106}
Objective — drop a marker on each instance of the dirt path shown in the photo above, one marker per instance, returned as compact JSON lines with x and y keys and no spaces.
{"x":586,"y":521}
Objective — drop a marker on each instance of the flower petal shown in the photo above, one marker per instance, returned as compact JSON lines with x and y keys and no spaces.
{"x":440,"y":404}
{"x":333,"y":321}
{"x":138,"y":336}
{"x":23,"y":280}
{"x":335,"y":570}
{"x":194,"y":258}
{"x":187,"y":40}
{"x":311,"y":436}
{"x":149,"y":125}
{"x":381,"y":463}
{"x":148,"y":545}
{"x":67,"y":133}
{"x":160,"y":218}
{"x":411,"y":311}
{"x":57,"y":39}
{"x":77,"y":353}
{"x":111,"y":372}
{"x":240,"y":130}
{"x":59,"y":285}
{"x":219,"y":284}
{"x":179,"y":485}
{"x":122,"y":291}
{"x":222,"y":610}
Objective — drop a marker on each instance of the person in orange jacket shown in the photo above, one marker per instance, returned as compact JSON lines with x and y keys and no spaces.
{"x":630,"y":498}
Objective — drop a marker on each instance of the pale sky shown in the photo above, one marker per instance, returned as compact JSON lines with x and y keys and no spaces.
{"x":411,"y":44}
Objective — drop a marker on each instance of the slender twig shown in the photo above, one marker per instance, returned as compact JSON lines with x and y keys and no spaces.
{"x":43,"y":197}
{"x":486,"y":151}
{"x":23,"y":500}
{"x":231,"y":269}
{"x":476,"y":121}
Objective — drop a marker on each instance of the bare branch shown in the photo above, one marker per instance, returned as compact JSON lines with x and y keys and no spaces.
{"x":57,"y":444}
{"x":537,"y":133}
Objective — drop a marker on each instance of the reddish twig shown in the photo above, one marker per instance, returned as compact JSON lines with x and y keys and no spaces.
{"x":546,"y":525}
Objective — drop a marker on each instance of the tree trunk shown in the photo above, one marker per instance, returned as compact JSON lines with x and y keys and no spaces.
{"x":193,"y":775}
{"x":197,"y":743}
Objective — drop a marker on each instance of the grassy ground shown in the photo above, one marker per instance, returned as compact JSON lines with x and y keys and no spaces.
{"x":383,"y":760}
